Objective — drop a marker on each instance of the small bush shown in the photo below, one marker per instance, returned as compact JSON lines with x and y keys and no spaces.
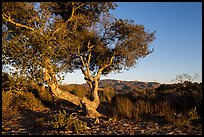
{"x":6,"y":78}
{"x":106,"y":94}
{"x":192,"y":114}
{"x":43,"y":93}
{"x":184,"y":119}
{"x":179,"y":120}
{"x":71,"y":123}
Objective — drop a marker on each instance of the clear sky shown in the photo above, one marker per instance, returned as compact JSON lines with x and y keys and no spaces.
{"x":178,"y":43}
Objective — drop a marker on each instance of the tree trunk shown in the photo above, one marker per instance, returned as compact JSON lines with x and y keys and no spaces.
{"x":93,"y":85}
{"x":95,"y":92}
{"x":88,"y":107}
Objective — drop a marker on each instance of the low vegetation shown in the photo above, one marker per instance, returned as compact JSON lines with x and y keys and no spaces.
{"x":14,"y":102}
{"x":178,"y":104}
{"x":68,"y":123}
{"x":174,"y":104}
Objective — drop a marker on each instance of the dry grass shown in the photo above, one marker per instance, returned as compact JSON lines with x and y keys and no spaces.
{"x":175,"y":105}
{"x":78,"y":90}
{"x":125,"y":108}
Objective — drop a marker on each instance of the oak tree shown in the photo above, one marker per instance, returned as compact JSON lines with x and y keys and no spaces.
{"x":43,"y":39}
{"x":110,"y":45}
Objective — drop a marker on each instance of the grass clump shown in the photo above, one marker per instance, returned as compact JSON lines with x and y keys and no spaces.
{"x":193,"y":115}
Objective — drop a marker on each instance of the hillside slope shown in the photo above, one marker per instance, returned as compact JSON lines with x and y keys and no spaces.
{"x":125,"y":86}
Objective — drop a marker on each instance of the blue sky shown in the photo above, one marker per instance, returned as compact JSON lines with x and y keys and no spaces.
{"x":178,"y":43}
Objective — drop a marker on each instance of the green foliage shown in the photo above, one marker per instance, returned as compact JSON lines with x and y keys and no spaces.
{"x":192,"y":114}
{"x":115,"y":45}
{"x":13,"y":81}
{"x":29,"y":37}
{"x":60,"y":119}
{"x":62,"y":122}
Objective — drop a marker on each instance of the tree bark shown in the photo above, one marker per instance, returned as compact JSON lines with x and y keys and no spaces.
{"x":93,"y":85}
{"x":88,"y":107}
{"x":95,"y":91}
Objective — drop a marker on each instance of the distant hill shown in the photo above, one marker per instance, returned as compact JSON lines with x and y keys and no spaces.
{"x":121,"y":86}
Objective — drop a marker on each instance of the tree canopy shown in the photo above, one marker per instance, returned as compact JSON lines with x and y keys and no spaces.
{"x":33,"y":31}
{"x":42,"y":39}
{"x":111,"y":45}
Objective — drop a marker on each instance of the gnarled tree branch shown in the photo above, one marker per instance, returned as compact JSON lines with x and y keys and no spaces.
{"x":105,"y":66}
{"x":8,"y":19}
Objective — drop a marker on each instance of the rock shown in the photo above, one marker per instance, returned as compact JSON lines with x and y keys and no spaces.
{"x":170,"y":133}
{"x":142,"y":131}
{"x":96,"y":121}
{"x":68,"y":132}
{"x":87,"y":128}
{"x":110,"y":132}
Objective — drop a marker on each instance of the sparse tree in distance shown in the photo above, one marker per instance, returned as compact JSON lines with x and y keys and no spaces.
{"x":43,"y":39}
{"x":185,"y":77}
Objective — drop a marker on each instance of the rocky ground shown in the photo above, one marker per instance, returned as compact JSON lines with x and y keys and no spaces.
{"x":29,"y":124}
{"x":125,"y":127}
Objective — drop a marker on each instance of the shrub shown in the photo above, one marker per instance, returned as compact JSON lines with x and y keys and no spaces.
{"x":181,"y":96}
{"x":6,"y":78}
{"x":41,"y":92}
{"x":106,"y":94}
{"x":71,"y":123}
{"x":179,"y":120}
{"x":192,"y":114}
{"x":13,"y":101}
